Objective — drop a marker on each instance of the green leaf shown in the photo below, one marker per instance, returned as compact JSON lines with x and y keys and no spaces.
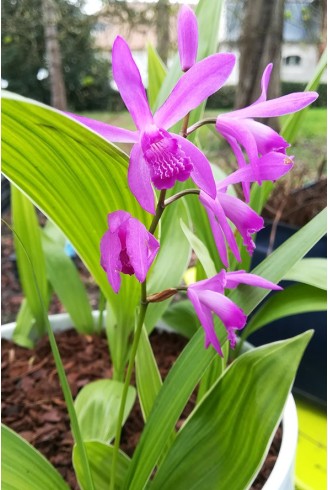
{"x":250,"y":395}
{"x":66,"y":282}
{"x":148,"y":377}
{"x":100,"y":458}
{"x":24,"y":325}
{"x":182,"y":318}
{"x":309,"y":271}
{"x":76,"y":178}
{"x":194,"y":359}
{"x":172,"y":260}
{"x":24,"y":468}
{"x":200,"y":250}
{"x":26,"y":226}
{"x":97,"y":406}
{"x":291,"y":127}
{"x":156,"y":74}
{"x":299,"y":298}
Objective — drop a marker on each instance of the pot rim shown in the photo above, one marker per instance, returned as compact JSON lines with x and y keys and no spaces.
{"x":284,"y":465}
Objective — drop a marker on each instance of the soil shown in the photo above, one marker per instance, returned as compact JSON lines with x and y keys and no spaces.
{"x":33,"y":405}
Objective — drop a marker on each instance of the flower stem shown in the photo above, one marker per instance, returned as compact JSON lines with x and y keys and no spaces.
{"x":180,"y":194}
{"x":184,"y":126}
{"x":159,"y":211}
{"x":208,"y":120}
{"x":143,"y":309}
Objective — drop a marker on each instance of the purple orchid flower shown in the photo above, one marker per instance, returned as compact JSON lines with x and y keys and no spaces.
{"x":160,"y":157}
{"x":187,"y":37}
{"x":227,"y":207}
{"x":126,"y":247}
{"x":241,"y":131}
{"x":208,"y":296}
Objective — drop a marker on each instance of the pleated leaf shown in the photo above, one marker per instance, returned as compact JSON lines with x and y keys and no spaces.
{"x":194,"y":359}
{"x":182,"y":318}
{"x":24,"y":468}
{"x":200,"y":250}
{"x":100,"y":457}
{"x":309,"y":271}
{"x":65,"y":280}
{"x":224,"y":442}
{"x":24,"y":325}
{"x":97,"y":406}
{"x":28,"y":235}
{"x":296,"y":299}
{"x":156,"y":74}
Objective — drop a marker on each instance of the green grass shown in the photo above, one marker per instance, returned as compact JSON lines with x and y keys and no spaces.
{"x":309,"y":150}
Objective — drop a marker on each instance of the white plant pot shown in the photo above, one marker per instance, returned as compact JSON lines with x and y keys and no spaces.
{"x":282,"y":475}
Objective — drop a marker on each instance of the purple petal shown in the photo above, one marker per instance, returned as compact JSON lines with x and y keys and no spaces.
{"x":246,"y":220}
{"x":137,"y":248}
{"x":198,"y":83}
{"x":153,"y":246}
{"x":139,"y":180}
{"x":241,"y":164}
{"x":110,"y":248}
{"x":229,"y":313}
{"x":276,"y":107}
{"x":128,"y":80}
{"x":116,"y":219}
{"x":266,"y":138}
{"x":216,"y":283}
{"x":110,"y":133}
{"x":265,"y":83}
{"x":202,"y":173}
{"x":187,"y":37}
{"x":242,"y":277}
{"x":219,"y":238}
{"x":271,"y":166}
{"x":206,"y":320}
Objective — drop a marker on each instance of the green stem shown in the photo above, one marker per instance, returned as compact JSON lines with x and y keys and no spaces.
{"x":101,"y":307}
{"x":184,"y":127}
{"x":208,"y":120}
{"x":143,"y":309}
{"x":180,"y":194}
{"x":159,"y":211}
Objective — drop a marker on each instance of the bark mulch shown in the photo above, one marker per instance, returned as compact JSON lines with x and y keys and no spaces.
{"x":33,"y":405}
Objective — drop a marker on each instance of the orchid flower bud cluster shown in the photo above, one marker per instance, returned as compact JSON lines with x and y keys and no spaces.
{"x":160,"y":158}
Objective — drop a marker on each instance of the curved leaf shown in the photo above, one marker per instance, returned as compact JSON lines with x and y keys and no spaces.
{"x":156,"y":74}
{"x":200,"y":250}
{"x":97,"y":406}
{"x":100,"y":458}
{"x":309,"y":271}
{"x":220,"y":445}
{"x":296,"y":299}
{"x":24,"y":468}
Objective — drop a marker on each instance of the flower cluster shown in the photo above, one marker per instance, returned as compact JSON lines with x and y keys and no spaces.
{"x":160,"y":158}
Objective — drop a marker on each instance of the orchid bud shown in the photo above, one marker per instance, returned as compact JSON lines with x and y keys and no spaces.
{"x":187,"y":37}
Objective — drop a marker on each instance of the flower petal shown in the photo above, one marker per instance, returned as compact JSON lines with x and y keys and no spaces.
{"x":266,"y":138}
{"x":129,"y":83}
{"x":139,"y":180}
{"x":202,"y":173}
{"x":286,"y":104}
{"x":265,"y":83}
{"x":153,"y":246}
{"x":271,"y":166}
{"x":198,"y":83}
{"x":206,"y":320}
{"x":110,"y":248}
{"x":110,"y":133}
{"x":246,"y":220}
{"x":229,"y":313}
{"x":187,"y":37}
{"x":242,"y":277}
{"x":116,"y":219}
{"x":137,"y":248}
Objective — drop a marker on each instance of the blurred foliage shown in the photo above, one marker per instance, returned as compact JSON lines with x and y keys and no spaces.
{"x":86,"y":72}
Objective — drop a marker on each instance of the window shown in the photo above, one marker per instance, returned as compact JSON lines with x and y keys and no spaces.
{"x":293,"y":60}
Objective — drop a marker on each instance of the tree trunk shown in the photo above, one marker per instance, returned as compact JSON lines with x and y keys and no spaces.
{"x":54,"y":62}
{"x":260,"y":44}
{"x":163,"y":29}
{"x":323,"y":40}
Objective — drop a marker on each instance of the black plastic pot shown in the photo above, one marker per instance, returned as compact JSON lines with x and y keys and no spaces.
{"x":311,"y":379}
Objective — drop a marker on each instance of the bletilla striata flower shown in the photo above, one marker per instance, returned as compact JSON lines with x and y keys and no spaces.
{"x":187,"y":37}
{"x":160,"y":157}
{"x":126,"y":247}
{"x":208,"y":296}
{"x":228,"y":207}
{"x":243,"y":133}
